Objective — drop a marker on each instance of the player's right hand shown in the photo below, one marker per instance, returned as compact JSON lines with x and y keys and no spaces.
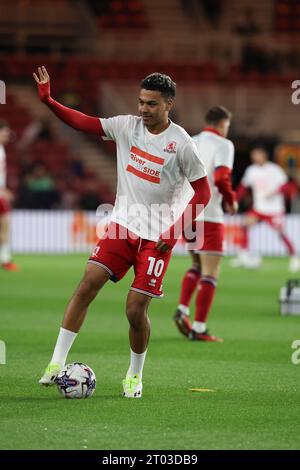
{"x":232,"y":209}
{"x":43,"y":82}
{"x":7,"y":194}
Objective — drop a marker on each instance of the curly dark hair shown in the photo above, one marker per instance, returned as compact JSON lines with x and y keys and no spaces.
{"x":160,"y":82}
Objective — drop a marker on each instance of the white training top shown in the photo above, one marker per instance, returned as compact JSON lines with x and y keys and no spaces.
{"x":2,"y":167}
{"x":264,"y":180}
{"x":153,"y":170}
{"x":215,"y":151}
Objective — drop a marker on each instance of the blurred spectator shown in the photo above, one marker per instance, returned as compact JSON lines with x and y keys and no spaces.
{"x":76,"y":166}
{"x":213,"y":10}
{"x":26,"y":162}
{"x":191,"y":9}
{"x":39,"y":129}
{"x":100,"y":8}
{"x":38,"y":190}
{"x":247,"y":25}
{"x":39,"y":179}
{"x":69,"y":197}
{"x":70,"y":96}
{"x":255,"y":58}
{"x":293,"y":58}
{"x":90,"y":198}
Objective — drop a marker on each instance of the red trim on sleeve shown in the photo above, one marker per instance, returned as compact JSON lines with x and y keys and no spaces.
{"x":289,"y":189}
{"x":222,"y":179}
{"x":241,"y":192}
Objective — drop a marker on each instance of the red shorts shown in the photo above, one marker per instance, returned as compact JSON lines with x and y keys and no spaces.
{"x":117,"y":254}
{"x":275,"y":220}
{"x":213,"y":239}
{"x":4,"y":206}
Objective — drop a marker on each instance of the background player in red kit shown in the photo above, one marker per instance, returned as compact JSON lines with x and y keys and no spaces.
{"x":155,"y":159}
{"x":217,"y":152}
{"x":268,"y":181}
{"x":5,"y":207}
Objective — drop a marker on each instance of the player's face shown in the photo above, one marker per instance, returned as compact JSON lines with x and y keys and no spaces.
{"x":258,"y":156}
{"x":4,"y":135}
{"x":154,"y":108}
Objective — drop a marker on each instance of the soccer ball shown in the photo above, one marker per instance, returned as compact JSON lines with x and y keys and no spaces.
{"x":76,"y":380}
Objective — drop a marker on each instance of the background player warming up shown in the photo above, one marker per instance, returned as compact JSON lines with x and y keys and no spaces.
{"x":155,"y":160}
{"x":217,"y":152}
{"x":5,"y":207}
{"x":267,"y":181}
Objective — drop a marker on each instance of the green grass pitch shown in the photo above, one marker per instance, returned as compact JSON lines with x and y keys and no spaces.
{"x":257,"y":398}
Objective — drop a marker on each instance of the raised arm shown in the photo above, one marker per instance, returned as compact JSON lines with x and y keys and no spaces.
{"x":73,"y":118}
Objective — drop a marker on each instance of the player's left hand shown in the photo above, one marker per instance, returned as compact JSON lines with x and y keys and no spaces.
{"x":43,"y":83}
{"x":232,"y":209}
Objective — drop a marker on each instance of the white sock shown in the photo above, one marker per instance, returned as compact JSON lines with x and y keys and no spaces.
{"x":63,"y":345}
{"x":5,"y":256}
{"x":136,"y":364}
{"x":199,"y":326}
{"x":184,"y":309}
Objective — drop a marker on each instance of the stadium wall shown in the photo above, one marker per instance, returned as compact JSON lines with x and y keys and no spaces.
{"x":76,"y":232}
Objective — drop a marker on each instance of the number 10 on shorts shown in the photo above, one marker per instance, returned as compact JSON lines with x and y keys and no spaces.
{"x":155,"y":266}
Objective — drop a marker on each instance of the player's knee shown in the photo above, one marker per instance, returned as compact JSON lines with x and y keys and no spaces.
{"x":87,"y":289}
{"x":136,"y":315}
{"x":196,"y":262}
{"x":213,"y":274}
{"x":196,"y":266}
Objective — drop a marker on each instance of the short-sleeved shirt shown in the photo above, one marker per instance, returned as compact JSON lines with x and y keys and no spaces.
{"x":265,"y":180}
{"x":215,"y":151}
{"x":153,"y":170}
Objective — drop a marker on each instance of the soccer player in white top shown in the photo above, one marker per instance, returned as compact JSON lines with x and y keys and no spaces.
{"x":267,"y":181}
{"x":156,"y":158}
{"x":217,"y":152}
{"x":5,"y":207}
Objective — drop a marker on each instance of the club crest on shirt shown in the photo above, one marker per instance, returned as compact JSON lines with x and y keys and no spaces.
{"x":171,"y":147}
{"x":152,"y":282}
